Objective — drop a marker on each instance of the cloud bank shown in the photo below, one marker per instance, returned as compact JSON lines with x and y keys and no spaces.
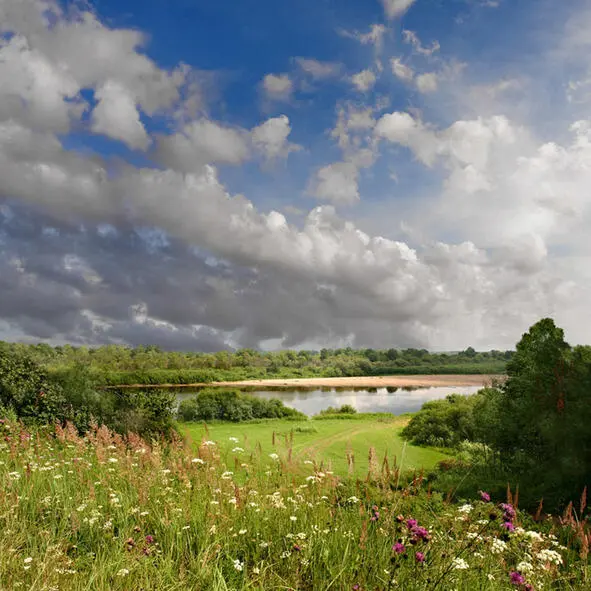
{"x":102,"y":247}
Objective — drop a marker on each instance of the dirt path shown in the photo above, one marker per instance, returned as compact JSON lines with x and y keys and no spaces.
{"x":311,"y":451}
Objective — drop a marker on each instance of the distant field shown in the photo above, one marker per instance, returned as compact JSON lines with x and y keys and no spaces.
{"x":322,"y":440}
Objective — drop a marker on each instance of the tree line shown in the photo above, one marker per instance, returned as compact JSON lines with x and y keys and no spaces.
{"x":118,"y":364}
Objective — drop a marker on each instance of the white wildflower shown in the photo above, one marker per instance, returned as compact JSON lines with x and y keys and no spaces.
{"x":549,"y":556}
{"x":460,"y":564}
{"x":498,"y":546}
{"x":238,"y":565}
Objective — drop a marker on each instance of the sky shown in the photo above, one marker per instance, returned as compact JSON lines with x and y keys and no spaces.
{"x":251,"y":173}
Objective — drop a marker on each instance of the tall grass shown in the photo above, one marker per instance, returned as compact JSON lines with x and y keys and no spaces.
{"x":107,"y":512}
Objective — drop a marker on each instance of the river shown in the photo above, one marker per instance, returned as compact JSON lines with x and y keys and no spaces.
{"x":393,"y":400}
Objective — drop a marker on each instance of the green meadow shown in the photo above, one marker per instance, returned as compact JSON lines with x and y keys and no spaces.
{"x":339,"y":445}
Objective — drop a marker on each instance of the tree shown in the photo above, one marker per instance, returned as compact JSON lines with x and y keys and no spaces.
{"x":538,"y":419}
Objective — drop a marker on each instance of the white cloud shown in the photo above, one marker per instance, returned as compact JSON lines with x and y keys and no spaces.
{"x":204,"y":142}
{"x":277,"y":87}
{"x":116,"y":116}
{"x":363,"y":80}
{"x":427,"y":83}
{"x":337,"y":183}
{"x":33,"y":89}
{"x":395,"y":8}
{"x":402,"y":129}
{"x":375,"y":36}
{"x":412,"y":38}
{"x":510,"y":201}
{"x":401,"y":71}
{"x":270,"y":138}
{"x":318,"y":70}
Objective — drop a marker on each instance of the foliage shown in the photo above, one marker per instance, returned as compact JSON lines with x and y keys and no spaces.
{"x":72,"y":395}
{"x":444,"y":423}
{"x":538,"y":420}
{"x":231,"y":405}
{"x":109,"y":513}
{"x":344,"y":409}
{"x":145,"y":365}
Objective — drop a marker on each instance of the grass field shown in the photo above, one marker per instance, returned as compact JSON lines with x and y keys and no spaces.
{"x":108,"y":513}
{"x":330,"y":441}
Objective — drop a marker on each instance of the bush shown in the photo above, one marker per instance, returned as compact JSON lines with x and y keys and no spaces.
{"x":444,"y":423}
{"x":345,"y":409}
{"x":27,"y":392}
{"x":231,"y":405}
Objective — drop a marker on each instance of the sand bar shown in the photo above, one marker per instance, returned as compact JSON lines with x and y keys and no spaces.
{"x":419,"y":381}
{"x":398,"y":381}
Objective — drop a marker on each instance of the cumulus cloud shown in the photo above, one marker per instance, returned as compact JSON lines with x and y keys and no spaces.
{"x":116,"y":115}
{"x":514,"y":205}
{"x":278,"y":87}
{"x":336,"y":182}
{"x":203,"y":142}
{"x":270,"y":138}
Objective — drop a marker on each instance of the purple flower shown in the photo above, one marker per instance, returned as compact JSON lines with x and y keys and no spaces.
{"x":356,"y":587}
{"x":149,"y":539}
{"x":420,"y":533}
{"x":516,"y":578}
{"x":509,"y":511}
{"x":296,"y":548}
{"x":399,"y":548}
{"x":484,"y":496}
{"x":410,"y":523}
{"x":509,"y":526}
{"x":420,"y":557}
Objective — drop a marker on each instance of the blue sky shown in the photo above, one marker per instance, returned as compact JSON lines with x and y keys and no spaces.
{"x":384,"y":173}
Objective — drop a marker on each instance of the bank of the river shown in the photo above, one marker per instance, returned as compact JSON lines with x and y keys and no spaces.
{"x":398,"y":381}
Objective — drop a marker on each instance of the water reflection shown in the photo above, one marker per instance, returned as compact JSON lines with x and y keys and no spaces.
{"x":391,"y":399}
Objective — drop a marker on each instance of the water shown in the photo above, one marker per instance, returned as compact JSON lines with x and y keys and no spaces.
{"x":393,"y":400}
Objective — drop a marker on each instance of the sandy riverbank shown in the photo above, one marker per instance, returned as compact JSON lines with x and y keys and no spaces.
{"x":419,"y":381}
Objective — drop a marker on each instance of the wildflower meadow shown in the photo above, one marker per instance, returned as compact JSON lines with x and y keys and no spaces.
{"x":110,"y":512}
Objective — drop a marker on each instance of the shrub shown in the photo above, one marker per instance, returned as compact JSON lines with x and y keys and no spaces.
{"x":231,"y":405}
{"x":27,"y":392}
{"x":345,"y":409}
{"x":444,"y":423}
